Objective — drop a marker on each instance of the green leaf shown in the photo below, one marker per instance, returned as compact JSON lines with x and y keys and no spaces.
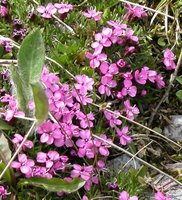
{"x":179,"y":95}
{"x":41,"y":102}
{"x":54,"y":184}
{"x":7,"y":175}
{"x":4,"y":125}
{"x":5,"y":152}
{"x":22,"y":91}
{"x":179,"y":79}
{"x":31,"y":57}
{"x":161,"y":42}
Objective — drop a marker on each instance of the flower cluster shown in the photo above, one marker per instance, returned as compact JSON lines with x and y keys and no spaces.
{"x":118,"y":79}
{"x":49,"y":163}
{"x":169,"y":59}
{"x":60,"y":8}
{"x":134,"y":12}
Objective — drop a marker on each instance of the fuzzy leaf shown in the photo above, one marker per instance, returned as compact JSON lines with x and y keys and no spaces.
{"x":4,"y":125}
{"x":31,"y":57}
{"x":41,"y":102}
{"x":5,"y":152}
{"x":54,"y":184}
{"x":22,"y":90}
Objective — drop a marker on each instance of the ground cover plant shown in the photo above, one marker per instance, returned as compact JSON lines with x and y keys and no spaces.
{"x":82,"y":83}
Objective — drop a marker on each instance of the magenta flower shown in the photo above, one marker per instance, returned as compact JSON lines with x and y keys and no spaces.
{"x":103,"y":146}
{"x":50,"y":133}
{"x":159,"y":81}
{"x":88,"y":150}
{"x":134,"y":12}
{"x":130,"y":110}
{"x":63,"y":7}
{"x":82,"y":98}
{"x":48,"y":11}
{"x":112,"y":69}
{"x":18,"y":139}
{"x":96,"y":59}
{"x":93,"y":14}
{"x":85,"y":144}
{"x":168,"y":59}
{"x":161,"y":196}
{"x":3,"y":192}
{"x":12,"y":107}
{"x":107,"y":83}
{"x":85,"y":120}
{"x":125,"y":196}
{"x":102,"y":40}
{"x":124,"y":137}
{"x":84,"y":84}
{"x":113,"y":118}
{"x":121,"y":63}
{"x":3,"y":11}
{"x":82,"y":171}
{"x":24,"y":165}
{"x":141,"y":76}
{"x":39,"y":171}
{"x":129,"y":89}
{"x":85,"y":138}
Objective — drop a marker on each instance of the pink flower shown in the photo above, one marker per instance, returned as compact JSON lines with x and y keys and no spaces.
{"x":107,"y":82}
{"x":63,"y":7}
{"x":125,"y":196}
{"x":93,"y":14}
{"x":18,"y":139}
{"x":112,"y":69}
{"x":102,"y":146}
{"x":95,"y":59}
{"x":129,"y":89}
{"x":48,"y":11}
{"x":3,"y":192}
{"x":85,"y":138}
{"x":121,"y":63}
{"x":82,"y":171}
{"x":141,"y":76}
{"x":85,"y":120}
{"x":168,"y":59}
{"x":134,"y":12}
{"x":159,"y":81}
{"x":130,"y":110}
{"x":24,"y":165}
{"x":113,"y":118}
{"x":12,"y":107}
{"x":124,"y":138}
{"x":3,"y":11}
{"x":39,"y":171}
{"x":84,"y":84}
{"x":161,"y":196}
{"x":50,"y":133}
